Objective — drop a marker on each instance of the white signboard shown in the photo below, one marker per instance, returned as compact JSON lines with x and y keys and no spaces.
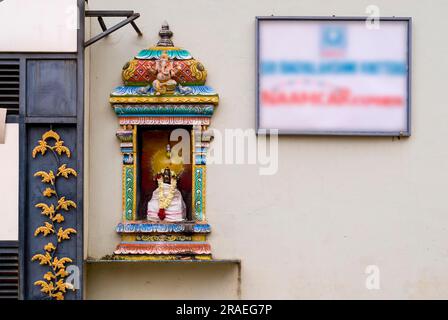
{"x":38,"y":25}
{"x":333,"y":76}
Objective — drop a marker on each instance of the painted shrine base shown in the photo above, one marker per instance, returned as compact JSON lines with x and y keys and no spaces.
{"x":148,"y":241}
{"x":159,"y":248}
{"x":154,"y":258}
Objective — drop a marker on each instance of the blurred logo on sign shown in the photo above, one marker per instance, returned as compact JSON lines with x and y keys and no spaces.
{"x":333,"y":41}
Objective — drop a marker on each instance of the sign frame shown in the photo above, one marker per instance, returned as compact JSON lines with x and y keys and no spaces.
{"x":263,"y":131}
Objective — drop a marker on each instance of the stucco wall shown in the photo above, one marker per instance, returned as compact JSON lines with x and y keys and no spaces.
{"x":337,"y":204}
{"x":142,"y":281}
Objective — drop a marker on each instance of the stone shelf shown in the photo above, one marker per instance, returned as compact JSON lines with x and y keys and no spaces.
{"x":170,"y":279}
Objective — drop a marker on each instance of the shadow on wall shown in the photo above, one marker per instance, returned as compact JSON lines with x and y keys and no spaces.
{"x":162,"y":281}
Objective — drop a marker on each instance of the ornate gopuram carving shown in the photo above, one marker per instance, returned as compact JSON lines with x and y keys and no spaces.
{"x":164,"y":205}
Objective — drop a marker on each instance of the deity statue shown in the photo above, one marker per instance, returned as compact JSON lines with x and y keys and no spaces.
{"x":164,"y":71}
{"x":166,"y":203}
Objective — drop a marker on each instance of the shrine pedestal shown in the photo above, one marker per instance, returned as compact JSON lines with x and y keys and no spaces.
{"x":163,"y":241}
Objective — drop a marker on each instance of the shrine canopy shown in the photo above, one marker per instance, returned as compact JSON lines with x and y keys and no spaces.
{"x":184,"y":98}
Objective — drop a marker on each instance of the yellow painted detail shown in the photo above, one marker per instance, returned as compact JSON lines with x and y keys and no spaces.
{"x":167,"y":99}
{"x":53,"y":283}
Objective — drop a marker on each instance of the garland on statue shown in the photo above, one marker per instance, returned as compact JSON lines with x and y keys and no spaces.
{"x":165,"y":201}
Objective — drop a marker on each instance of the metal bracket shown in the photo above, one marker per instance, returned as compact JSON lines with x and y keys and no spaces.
{"x":100,"y":14}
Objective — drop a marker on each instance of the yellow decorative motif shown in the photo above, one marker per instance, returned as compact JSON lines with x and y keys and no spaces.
{"x":46,"y":177}
{"x":46,"y":287}
{"x":58,"y":218}
{"x":59,"y":264}
{"x":53,"y":283}
{"x":49,"y":276}
{"x":65,"y":204}
{"x":45,"y":230}
{"x":43,"y":146}
{"x":204,"y":257}
{"x":165,"y":48}
{"x":163,"y":99}
{"x":197,"y":70}
{"x":129,"y":71}
{"x":43,"y":259}
{"x":60,"y":149}
{"x":65,"y":234}
{"x":48,"y":192}
{"x":49,"y":247}
{"x":65,"y":172}
{"x":51,"y":134}
{"x":46,"y":210}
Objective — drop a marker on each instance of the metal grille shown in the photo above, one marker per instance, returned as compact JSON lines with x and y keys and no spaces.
{"x":9,"y":270}
{"x":9,"y":85}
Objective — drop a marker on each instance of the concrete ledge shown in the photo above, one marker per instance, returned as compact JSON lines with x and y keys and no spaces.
{"x":162,"y":279}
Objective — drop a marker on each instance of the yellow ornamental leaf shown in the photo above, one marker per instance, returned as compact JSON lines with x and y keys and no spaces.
{"x":42,"y":148}
{"x":62,"y":273}
{"x":49,"y":276}
{"x":48,"y":257}
{"x":45,"y":230}
{"x":51,"y":134}
{"x":65,"y":204}
{"x":62,"y":170}
{"x":65,"y":234}
{"x":46,"y":210}
{"x":58,"y":218}
{"x":49,"y":247}
{"x":46,"y":287}
{"x":58,"y":296}
{"x":55,"y":262}
{"x":43,"y":259}
{"x":60,"y":263}
{"x":46,"y":177}
{"x":65,"y":172}
{"x":60,"y":285}
{"x":60,"y":148}
{"x":48,"y":192}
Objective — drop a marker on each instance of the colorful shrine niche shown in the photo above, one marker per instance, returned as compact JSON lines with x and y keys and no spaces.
{"x":164,"y":206}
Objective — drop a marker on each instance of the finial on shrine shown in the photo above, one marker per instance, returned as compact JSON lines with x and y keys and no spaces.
{"x":165,"y":36}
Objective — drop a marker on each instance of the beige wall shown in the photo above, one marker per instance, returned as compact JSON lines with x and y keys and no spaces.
{"x":148,"y":280}
{"x":9,"y":184}
{"x":337,"y":204}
